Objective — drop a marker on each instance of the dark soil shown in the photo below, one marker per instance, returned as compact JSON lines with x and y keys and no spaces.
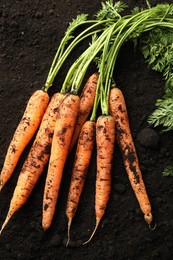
{"x":30,"y":32}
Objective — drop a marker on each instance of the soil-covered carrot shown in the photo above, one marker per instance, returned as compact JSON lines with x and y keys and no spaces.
{"x":105,"y":139}
{"x":64,"y":134}
{"x":86,"y":104}
{"x":64,"y":128}
{"x":125,"y":141}
{"x":36,"y":107}
{"x":37,"y":158}
{"x":83,"y":154}
{"x":26,"y":129}
{"x":39,"y":100}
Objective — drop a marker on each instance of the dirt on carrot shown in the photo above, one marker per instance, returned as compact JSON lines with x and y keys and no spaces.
{"x":24,"y":132}
{"x":125,"y":141}
{"x":82,"y":159}
{"x":63,"y":132}
{"x":86,"y":105}
{"x":105,"y":141}
{"x":37,"y":158}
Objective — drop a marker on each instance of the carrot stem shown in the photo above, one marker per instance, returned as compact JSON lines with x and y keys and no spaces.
{"x":78,"y":70}
{"x":148,"y":4}
{"x":61,"y":56}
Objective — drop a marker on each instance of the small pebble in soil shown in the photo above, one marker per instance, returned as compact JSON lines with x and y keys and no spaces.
{"x":38,"y":15}
{"x":51,"y":12}
{"x":13,"y":25}
{"x":148,"y":137}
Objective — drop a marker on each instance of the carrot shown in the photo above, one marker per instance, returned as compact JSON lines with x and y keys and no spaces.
{"x":83,"y":154}
{"x":64,"y":128}
{"x":86,"y":105}
{"x":26,"y":129}
{"x":105,"y":139}
{"x":37,"y":158}
{"x":39,"y":100}
{"x":125,"y":141}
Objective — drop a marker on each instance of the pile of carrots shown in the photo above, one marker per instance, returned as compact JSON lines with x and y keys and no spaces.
{"x":67,"y":118}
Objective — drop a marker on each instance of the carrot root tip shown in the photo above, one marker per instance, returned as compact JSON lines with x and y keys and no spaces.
{"x":94,"y":231}
{"x":68,"y":241}
{"x":68,"y":237}
{"x":45,"y":226}
{"x":2,"y":228}
{"x":1,"y":184}
{"x":148,"y":218}
{"x":152,"y":227}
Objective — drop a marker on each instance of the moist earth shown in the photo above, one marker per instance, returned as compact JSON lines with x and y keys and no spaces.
{"x":30,"y":33}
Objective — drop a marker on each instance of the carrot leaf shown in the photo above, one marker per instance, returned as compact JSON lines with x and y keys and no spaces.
{"x":157,"y":48}
{"x":111,"y":10}
{"x":168,"y":171}
{"x":163,"y":114}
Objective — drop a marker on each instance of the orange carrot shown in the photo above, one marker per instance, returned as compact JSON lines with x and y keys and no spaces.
{"x":105,"y":139}
{"x":26,"y":129}
{"x":86,"y":104}
{"x":83,"y":154}
{"x":125,"y":141}
{"x":64,"y":128}
{"x":37,"y":158}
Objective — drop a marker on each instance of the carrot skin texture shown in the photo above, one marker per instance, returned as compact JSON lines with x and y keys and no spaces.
{"x":37,"y":158}
{"x":86,"y":104}
{"x":105,"y":140}
{"x":64,"y":129}
{"x":24,"y":132}
{"x":125,"y":141}
{"x":84,"y":150}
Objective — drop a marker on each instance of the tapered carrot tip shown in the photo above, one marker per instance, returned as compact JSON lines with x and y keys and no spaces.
{"x":148,"y":218}
{"x":94,"y":231}
{"x":69,"y":226}
{"x":1,"y":185}
{"x":5,"y":223}
{"x":45,"y":226}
